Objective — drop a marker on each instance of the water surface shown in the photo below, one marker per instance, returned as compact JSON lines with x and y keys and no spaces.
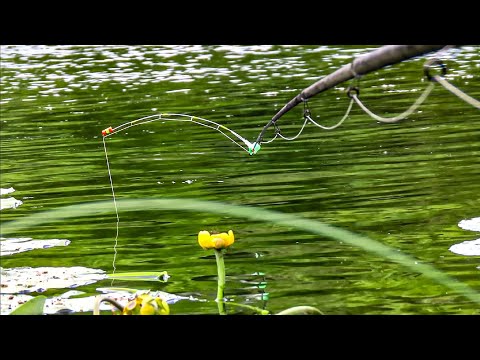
{"x":406,"y":185}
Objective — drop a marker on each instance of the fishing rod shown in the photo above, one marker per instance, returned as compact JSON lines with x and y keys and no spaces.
{"x":110,"y":131}
{"x":364,"y":64}
{"x":183,"y":118}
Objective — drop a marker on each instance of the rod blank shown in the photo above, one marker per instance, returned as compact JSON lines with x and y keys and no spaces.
{"x":364,"y":64}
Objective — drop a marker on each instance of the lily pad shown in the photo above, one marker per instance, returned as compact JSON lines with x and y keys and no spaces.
{"x":469,"y":248}
{"x":86,"y":304}
{"x":26,"y":279}
{"x":71,"y":293}
{"x":64,"y":304}
{"x":168,"y":297}
{"x":470,"y":224}
{"x":17,"y":245}
{"x":9,"y":302}
{"x":10,"y":203}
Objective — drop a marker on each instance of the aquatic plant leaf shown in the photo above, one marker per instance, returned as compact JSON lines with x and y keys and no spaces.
{"x":64,"y":304}
{"x":12,"y":246}
{"x":106,"y":290}
{"x":141,"y":276}
{"x":122,"y":296}
{"x":9,"y":302}
{"x":71,"y":293}
{"x":31,"y":307}
{"x":469,"y":248}
{"x":168,"y":297}
{"x":249,"y":212}
{"x":10,"y":203}
{"x":26,"y":279}
{"x":470,"y":224}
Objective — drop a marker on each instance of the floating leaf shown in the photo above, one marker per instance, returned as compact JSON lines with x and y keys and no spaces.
{"x":122,"y":296}
{"x":31,"y":307}
{"x":71,"y":293}
{"x":9,"y":302}
{"x":169,"y":298}
{"x":469,"y":248}
{"x":141,"y":276}
{"x":17,"y":245}
{"x":65,"y":304}
{"x":27,"y":279}
{"x":116,"y":289}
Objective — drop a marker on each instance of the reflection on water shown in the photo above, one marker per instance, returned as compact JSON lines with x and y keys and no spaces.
{"x":10,"y":202}
{"x":407,"y":184}
{"x":471,"y":248}
{"x":470,"y":224}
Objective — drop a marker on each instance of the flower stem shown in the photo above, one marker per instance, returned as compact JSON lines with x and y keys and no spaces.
{"x":100,"y":299}
{"x":220,"y":281}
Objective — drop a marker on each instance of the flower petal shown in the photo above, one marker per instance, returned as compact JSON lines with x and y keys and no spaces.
{"x":215,"y":241}
{"x":204,"y":239}
{"x":231,"y":238}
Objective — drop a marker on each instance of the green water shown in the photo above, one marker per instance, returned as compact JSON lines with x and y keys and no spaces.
{"x":406,"y":185}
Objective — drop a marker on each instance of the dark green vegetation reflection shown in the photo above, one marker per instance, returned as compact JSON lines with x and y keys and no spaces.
{"x":406,"y":185}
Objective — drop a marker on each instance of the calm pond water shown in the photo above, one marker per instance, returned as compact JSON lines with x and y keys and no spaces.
{"x":406,"y":185}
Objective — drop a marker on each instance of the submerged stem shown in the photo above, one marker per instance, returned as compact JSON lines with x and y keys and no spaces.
{"x":100,"y":299}
{"x":254,"y":308}
{"x":220,"y":281}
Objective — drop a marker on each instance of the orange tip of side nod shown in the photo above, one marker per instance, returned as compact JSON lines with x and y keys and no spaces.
{"x":107,"y":131}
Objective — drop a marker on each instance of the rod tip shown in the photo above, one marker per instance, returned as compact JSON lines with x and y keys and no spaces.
{"x":107,"y":131}
{"x":254,"y":148}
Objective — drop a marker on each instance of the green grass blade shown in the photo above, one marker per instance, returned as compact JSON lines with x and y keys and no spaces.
{"x":31,"y":307}
{"x":253,"y":213}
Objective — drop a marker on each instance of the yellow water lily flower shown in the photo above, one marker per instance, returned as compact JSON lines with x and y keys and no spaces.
{"x":145,"y":304}
{"x":215,"y":241}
